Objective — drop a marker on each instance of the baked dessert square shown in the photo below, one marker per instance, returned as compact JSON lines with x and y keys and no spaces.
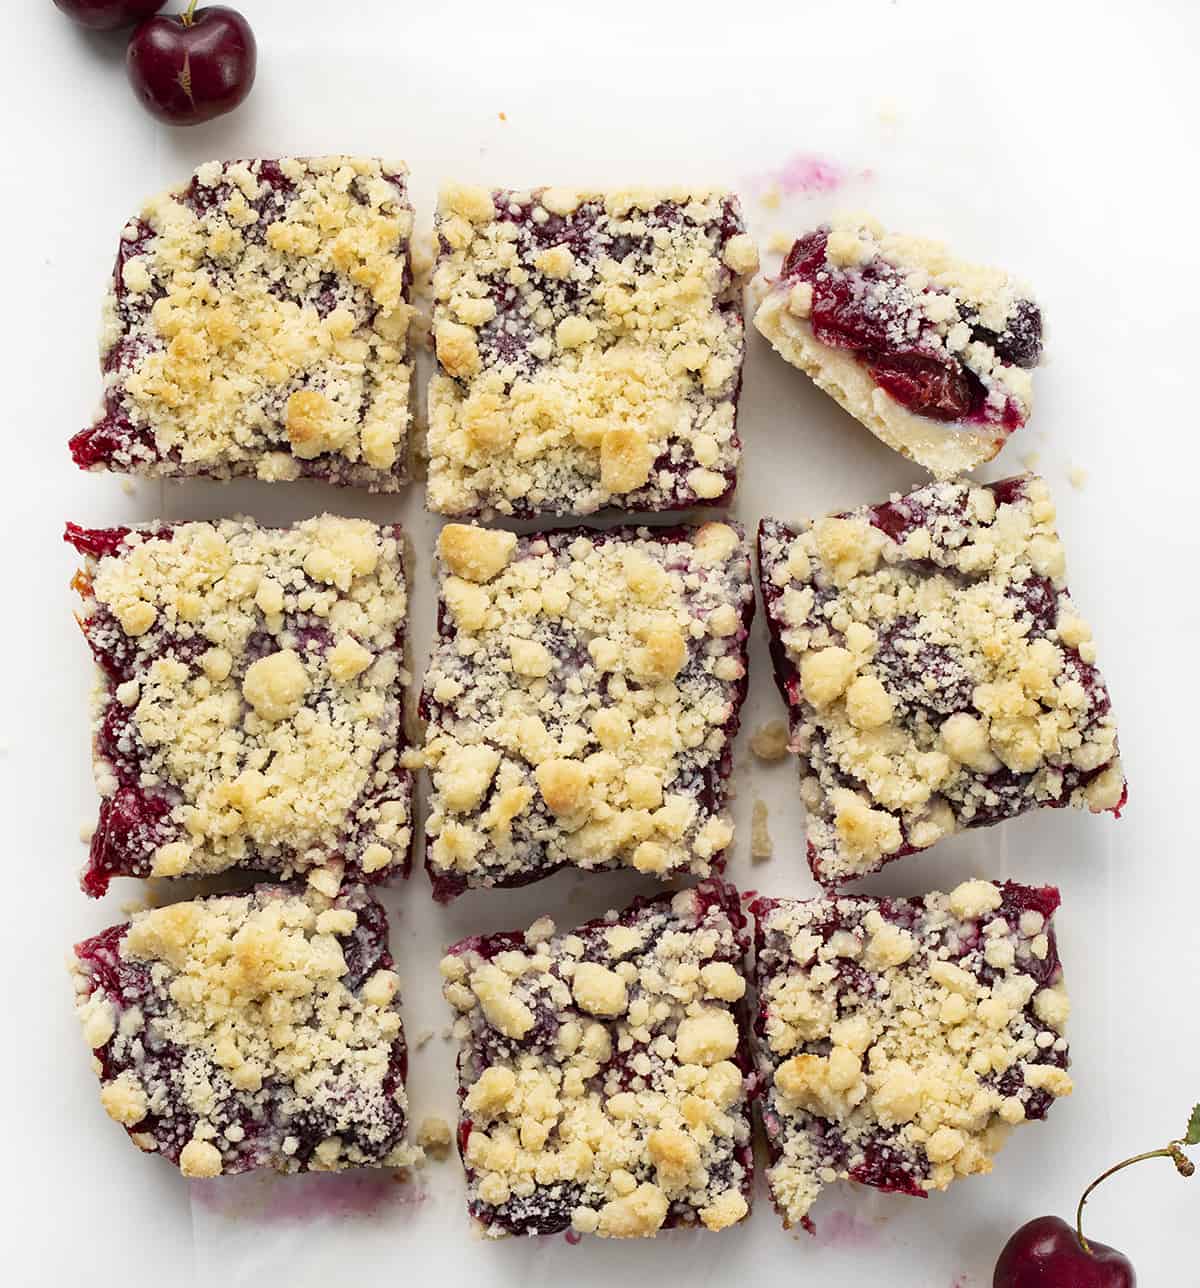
{"x":931,"y":353}
{"x":937,"y":672}
{"x":898,"y":1041}
{"x":250,"y":1030}
{"x":589,"y":350}
{"x":257,"y":324}
{"x":248,"y":711}
{"x":582,"y":700}
{"x":604,"y":1072}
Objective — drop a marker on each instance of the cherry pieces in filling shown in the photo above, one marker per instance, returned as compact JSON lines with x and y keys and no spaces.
{"x":257,"y":324}
{"x":250,"y":1030}
{"x":897,"y":1041}
{"x":937,"y":673}
{"x":249,"y":709}
{"x":582,"y":700}
{"x":589,"y":350}
{"x":931,"y":353}
{"x":604,"y":1072}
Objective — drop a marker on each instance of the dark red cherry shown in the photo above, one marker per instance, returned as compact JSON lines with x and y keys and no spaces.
{"x":108,"y":15}
{"x":1046,"y":1253}
{"x":190,"y":67}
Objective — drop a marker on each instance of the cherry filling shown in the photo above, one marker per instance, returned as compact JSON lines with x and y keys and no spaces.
{"x":854,"y":311}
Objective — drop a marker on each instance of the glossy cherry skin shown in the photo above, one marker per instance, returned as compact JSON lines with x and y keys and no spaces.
{"x":186,"y":73}
{"x":1045,"y":1253}
{"x":108,"y":15}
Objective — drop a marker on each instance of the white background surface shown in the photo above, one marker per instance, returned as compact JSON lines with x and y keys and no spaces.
{"x":1055,"y":139}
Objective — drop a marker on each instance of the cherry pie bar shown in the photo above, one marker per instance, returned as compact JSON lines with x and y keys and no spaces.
{"x":937,"y":673}
{"x":932,"y":354}
{"x":604,"y":1073}
{"x":257,"y":324}
{"x":249,"y":705}
{"x":582,"y":701}
{"x":250,"y":1030}
{"x":898,"y":1040}
{"x":589,"y":350}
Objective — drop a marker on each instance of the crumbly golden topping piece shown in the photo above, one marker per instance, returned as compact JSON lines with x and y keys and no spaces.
{"x":938,"y":673}
{"x":589,"y":349}
{"x":250,"y":1030}
{"x":931,"y":353}
{"x":603,"y":1071}
{"x":582,"y":701}
{"x":899,"y":1040}
{"x":257,"y":324}
{"x":250,"y":703}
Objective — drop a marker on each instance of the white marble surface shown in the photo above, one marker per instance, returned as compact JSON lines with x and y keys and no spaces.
{"x":1057,"y":139}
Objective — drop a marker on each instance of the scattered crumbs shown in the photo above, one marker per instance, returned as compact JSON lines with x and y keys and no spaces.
{"x":434,"y":1136}
{"x":128,"y":486}
{"x":760,"y":838}
{"x":770,"y":741}
{"x":1077,"y":477}
{"x":502,"y":115}
{"x":1030,"y":460}
{"x":771,"y":199}
{"x":134,"y":906}
{"x":87,"y":831}
{"x":779,"y":243}
{"x":888,"y":113}
{"x":447,"y":1033}
{"x":422,"y":1039}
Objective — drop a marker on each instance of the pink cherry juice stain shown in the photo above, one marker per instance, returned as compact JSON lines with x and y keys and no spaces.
{"x":845,"y":1230}
{"x":803,"y":173}
{"x":266,"y":1197}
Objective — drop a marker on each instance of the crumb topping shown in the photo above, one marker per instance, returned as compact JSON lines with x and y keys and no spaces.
{"x":618,"y":1105}
{"x":582,"y":701}
{"x":244,"y":1031}
{"x":249,"y":710}
{"x":589,"y":348}
{"x":930,"y":352}
{"x":257,"y":324}
{"x":937,"y":672}
{"x":900,"y":1040}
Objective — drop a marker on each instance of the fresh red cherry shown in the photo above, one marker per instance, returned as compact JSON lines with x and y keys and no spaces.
{"x":108,"y":15}
{"x":189,"y":67}
{"x":1046,"y":1253}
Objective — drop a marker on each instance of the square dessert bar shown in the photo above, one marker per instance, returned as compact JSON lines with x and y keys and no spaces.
{"x":932,"y":354}
{"x":257,"y":324}
{"x":604,"y":1072}
{"x":582,"y":701}
{"x":249,"y":705}
{"x":937,"y":673}
{"x":898,"y":1040}
{"x":250,"y":1030}
{"x":589,"y":350}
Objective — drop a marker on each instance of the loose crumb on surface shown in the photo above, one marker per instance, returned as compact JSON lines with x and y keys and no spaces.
{"x":502,"y":115}
{"x":434,"y":1136}
{"x":779,"y":242}
{"x":1077,"y":476}
{"x":1031,"y":459}
{"x":422,"y":1039}
{"x":770,"y":741}
{"x":761,"y":846}
{"x":771,"y":199}
{"x":128,"y":487}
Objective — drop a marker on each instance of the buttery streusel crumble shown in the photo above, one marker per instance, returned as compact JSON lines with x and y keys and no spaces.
{"x":249,"y":705}
{"x":589,"y":349}
{"x":257,"y":324}
{"x":932,"y":354}
{"x":937,"y":673}
{"x":603,"y":1072}
{"x":250,"y":1030}
{"x":582,"y":701}
{"x":899,"y":1040}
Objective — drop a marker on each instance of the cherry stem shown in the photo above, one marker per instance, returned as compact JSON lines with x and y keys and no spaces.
{"x":1183,"y":1165}
{"x":189,"y":14}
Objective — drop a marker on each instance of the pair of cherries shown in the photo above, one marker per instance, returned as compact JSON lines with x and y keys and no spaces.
{"x":185,"y":68}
